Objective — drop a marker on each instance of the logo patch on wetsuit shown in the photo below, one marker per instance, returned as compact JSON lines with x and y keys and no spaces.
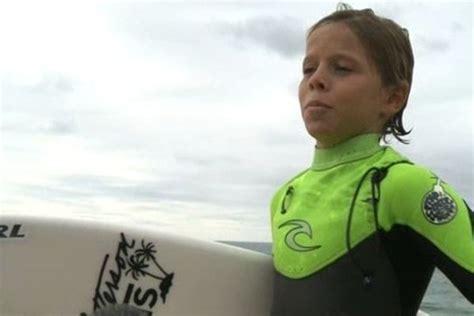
{"x":299,"y":227}
{"x":438,"y":206}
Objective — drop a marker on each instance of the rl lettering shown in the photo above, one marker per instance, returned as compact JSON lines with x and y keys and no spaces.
{"x":7,"y":231}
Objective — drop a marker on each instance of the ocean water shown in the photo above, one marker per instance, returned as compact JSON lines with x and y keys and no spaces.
{"x":441,"y":298}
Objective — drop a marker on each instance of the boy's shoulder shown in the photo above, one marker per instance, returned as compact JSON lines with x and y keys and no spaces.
{"x":403,"y":169}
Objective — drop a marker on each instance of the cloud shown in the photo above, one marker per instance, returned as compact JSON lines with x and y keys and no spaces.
{"x":201,"y":160}
{"x":56,"y":127}
{"x":432,"y":45}
{"x":52,"y":83}
{"x":219,"y":189}
{"x":281,"y":35}
{"x":42,"y":93}
{"x":40,"y":107}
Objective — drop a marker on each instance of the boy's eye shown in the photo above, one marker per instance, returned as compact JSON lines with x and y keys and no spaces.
{"x":307,"y":70}
{"x":343,"y":69}
{"x":337,"y":68}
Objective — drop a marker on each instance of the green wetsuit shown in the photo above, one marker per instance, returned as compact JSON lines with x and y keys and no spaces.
{"x":360,"y":232}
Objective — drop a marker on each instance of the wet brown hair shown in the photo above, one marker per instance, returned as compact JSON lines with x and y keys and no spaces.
{"x":388,"y":46}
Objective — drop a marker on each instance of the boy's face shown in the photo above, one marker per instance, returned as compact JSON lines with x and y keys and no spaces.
{"x":341,"y":93}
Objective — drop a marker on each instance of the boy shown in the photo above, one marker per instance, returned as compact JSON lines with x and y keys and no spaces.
{"x":361,"y":231}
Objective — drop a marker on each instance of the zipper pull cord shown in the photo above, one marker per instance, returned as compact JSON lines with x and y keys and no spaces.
{"x":366,"y":275}
{"x":377,"y":177}
{"x":287,"y":199}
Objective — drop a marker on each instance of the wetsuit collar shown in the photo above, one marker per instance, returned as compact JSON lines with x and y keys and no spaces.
{"x":356,"y":148}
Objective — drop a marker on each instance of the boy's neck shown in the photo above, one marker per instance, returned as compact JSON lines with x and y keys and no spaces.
{"x":357,"y":147}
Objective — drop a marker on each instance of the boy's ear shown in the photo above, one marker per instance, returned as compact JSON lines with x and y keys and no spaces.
{"x":396,"y":97}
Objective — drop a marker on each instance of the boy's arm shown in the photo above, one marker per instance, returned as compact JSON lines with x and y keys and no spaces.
{"x":441,"y":222}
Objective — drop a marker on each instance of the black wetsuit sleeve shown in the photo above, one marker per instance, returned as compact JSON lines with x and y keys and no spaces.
{"x":459,"y":276}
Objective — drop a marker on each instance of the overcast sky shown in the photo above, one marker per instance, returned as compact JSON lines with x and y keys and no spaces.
{"x":186,"y":117}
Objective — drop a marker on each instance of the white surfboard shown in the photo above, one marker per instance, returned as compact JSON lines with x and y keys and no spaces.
{"x":60,"y":266}
{"x":64,"y":266}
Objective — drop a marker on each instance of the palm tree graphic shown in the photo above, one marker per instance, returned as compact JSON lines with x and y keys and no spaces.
{"x":139,"y":262}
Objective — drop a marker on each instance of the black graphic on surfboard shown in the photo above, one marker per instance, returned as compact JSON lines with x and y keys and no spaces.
{"x":11,"y":231}
{"x":132,"y":277}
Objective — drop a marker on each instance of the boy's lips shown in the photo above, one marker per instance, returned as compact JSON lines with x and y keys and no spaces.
{"x":316,"y":104}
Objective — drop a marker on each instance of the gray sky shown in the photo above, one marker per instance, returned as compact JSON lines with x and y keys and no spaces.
{"x":185,"y":116}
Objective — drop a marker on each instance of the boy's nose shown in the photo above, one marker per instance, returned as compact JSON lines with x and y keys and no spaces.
{"x":318,"y":80}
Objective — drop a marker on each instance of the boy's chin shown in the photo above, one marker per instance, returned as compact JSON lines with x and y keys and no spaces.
{"x":324,"y":137}
{"x":318,"y":131}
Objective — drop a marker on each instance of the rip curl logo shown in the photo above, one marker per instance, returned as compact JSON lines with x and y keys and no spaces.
{"x":300,"y":227}
{"x":134,"y":277}
{"x":438,"y":206}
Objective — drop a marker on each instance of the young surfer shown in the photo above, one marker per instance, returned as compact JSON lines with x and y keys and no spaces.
{"x":361,"y":231}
